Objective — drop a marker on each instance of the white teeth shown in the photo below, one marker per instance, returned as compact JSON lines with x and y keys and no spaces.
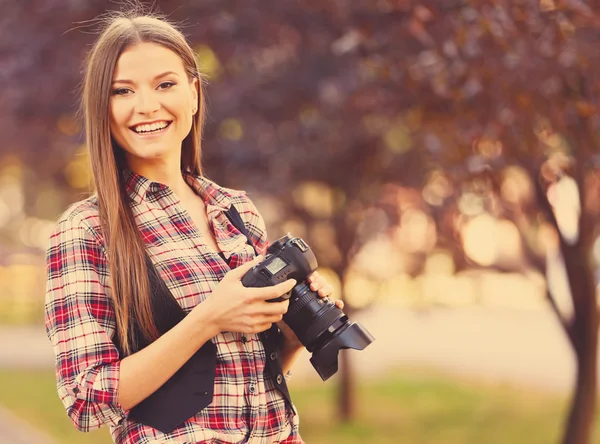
{"x":150,"y":127}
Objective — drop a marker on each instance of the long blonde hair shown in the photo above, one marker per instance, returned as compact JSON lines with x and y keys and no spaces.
{"x":126,"y":249}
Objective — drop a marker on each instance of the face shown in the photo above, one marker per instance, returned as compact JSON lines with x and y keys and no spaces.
{"x":152,"y":105}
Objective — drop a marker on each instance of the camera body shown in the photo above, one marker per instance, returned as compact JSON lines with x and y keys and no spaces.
{"x":287,"y":258}
{"x":318,"y":323}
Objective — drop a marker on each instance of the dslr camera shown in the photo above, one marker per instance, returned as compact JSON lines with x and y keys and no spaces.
{"x":318,"y":323}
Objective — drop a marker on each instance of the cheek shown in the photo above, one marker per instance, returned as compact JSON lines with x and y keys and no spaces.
{"x":117,"y":126}
{"x":118,"y":113}
{"x":117,"y":120}
{"x":182,"y":109}
{"x":180,"y":106}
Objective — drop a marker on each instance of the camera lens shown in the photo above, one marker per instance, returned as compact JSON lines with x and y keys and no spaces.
{"x":323,"y":328}
{"x":318,"y":323}
{"x":312,"y":318}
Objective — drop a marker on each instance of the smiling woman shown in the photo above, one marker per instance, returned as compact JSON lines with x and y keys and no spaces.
{"x":151,"y":109}
{"x":153,"y":331}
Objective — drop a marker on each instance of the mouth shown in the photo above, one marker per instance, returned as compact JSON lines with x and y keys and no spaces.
{"x":151,"y":129}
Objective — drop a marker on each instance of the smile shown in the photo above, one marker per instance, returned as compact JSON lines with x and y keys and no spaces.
{"x":151,"y":128}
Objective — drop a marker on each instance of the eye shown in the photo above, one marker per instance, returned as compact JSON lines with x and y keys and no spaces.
{"x":121,"y":91}
{"x":166,"y":85}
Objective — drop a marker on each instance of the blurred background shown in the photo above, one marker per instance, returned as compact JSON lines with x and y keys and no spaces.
{"x":440,"y":157}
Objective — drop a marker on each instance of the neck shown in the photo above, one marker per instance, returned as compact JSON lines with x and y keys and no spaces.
{"x":161,"y":171}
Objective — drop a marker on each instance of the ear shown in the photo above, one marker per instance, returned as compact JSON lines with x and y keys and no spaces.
{"x":195,"y":90}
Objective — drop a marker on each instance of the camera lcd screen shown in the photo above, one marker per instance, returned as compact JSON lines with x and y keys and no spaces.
{"x":276,"y":265}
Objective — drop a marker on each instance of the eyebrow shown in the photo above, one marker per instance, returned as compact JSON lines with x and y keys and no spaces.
{"x":164,"y":74}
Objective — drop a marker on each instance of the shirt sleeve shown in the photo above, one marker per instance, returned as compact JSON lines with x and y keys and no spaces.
{"x":80,"y":320}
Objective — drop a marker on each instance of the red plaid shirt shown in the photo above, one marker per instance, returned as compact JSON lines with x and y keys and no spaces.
{"x":80,"y":319}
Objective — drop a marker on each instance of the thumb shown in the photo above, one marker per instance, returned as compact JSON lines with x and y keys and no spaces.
{"x":239,"y":272}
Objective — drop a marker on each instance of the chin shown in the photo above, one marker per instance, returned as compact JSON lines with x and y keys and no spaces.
{"x":149,"y":154}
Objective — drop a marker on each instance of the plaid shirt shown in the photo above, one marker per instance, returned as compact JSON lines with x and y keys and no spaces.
{"x":80,"y":319}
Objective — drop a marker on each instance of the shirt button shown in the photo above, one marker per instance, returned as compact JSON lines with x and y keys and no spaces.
{"x":252,"y":388}
{"x":75,"y":390}
{"x":244,"y":339}
{"x":273,"y":356}
{"x":279,"y":379}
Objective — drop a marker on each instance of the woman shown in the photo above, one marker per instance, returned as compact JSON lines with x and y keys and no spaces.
{"x":203,"y":369}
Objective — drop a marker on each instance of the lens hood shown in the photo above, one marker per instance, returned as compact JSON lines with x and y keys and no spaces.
{"x":325,"y":358}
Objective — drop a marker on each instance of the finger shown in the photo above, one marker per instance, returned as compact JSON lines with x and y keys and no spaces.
{"x":272,"y":313}
{"x":274,"y":318}
{"x":325,"y":291}
{"x":239,"y":272}
{"x":317,"y":283}
{"x":313,"y":277}
{"x":278,"y":308}
{"x":285,"y":287}
{"x":266,"y":293}
{"x":339,"y":304}
{"x":267,"y":308}
{"x":262,"y":327}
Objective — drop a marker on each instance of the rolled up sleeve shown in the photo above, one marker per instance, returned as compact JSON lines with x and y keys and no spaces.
{"x":80,"y":322}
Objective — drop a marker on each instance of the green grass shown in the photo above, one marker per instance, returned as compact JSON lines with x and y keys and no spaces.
{"x":425,"y":408}
{"x":412,"y":407}
{"x":31,"y":394}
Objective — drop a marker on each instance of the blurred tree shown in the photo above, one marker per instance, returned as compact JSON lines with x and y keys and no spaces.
{"x":501,"y":99}
{"x":349,"y":112}
{"x":508,"y":94}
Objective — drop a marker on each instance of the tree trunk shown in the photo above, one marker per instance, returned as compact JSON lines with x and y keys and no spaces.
{"x":347,"y":395}
{"x":584,"y":339}
{"x":583,"y":406}
{"x":584,"y":327}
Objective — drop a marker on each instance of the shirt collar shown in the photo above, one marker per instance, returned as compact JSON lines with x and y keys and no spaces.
{"x":136,"y":185}
{"x":215,"y":197}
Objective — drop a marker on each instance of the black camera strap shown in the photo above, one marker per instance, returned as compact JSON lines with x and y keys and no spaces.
{"x":236,"y":220}
{"x":271,"y":338}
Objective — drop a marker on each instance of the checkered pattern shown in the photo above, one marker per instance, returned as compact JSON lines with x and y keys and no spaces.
{"x":80,"y":319}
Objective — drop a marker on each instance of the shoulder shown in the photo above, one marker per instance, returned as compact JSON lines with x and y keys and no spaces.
{"x":244,"y":205}
{"x":81,"y":215}
{"x":230,"y":196}
{"x":251,"y":217}
{"x":241,"y":200}
{"x":217,"y":191}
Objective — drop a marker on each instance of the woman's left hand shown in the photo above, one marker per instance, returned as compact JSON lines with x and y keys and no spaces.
{"x":324,"y":290}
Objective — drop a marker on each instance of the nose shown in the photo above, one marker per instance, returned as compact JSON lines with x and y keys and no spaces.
{"x":147,"y":102}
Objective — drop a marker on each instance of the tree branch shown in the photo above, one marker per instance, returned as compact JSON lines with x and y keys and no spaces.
{"x":545,"y":206}
{"x":565,"y":323}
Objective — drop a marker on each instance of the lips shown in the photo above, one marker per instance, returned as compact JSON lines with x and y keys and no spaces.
{"x":157,"y":127}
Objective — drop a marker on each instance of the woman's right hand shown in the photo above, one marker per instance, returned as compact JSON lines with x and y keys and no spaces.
{"x":240,"y":309}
